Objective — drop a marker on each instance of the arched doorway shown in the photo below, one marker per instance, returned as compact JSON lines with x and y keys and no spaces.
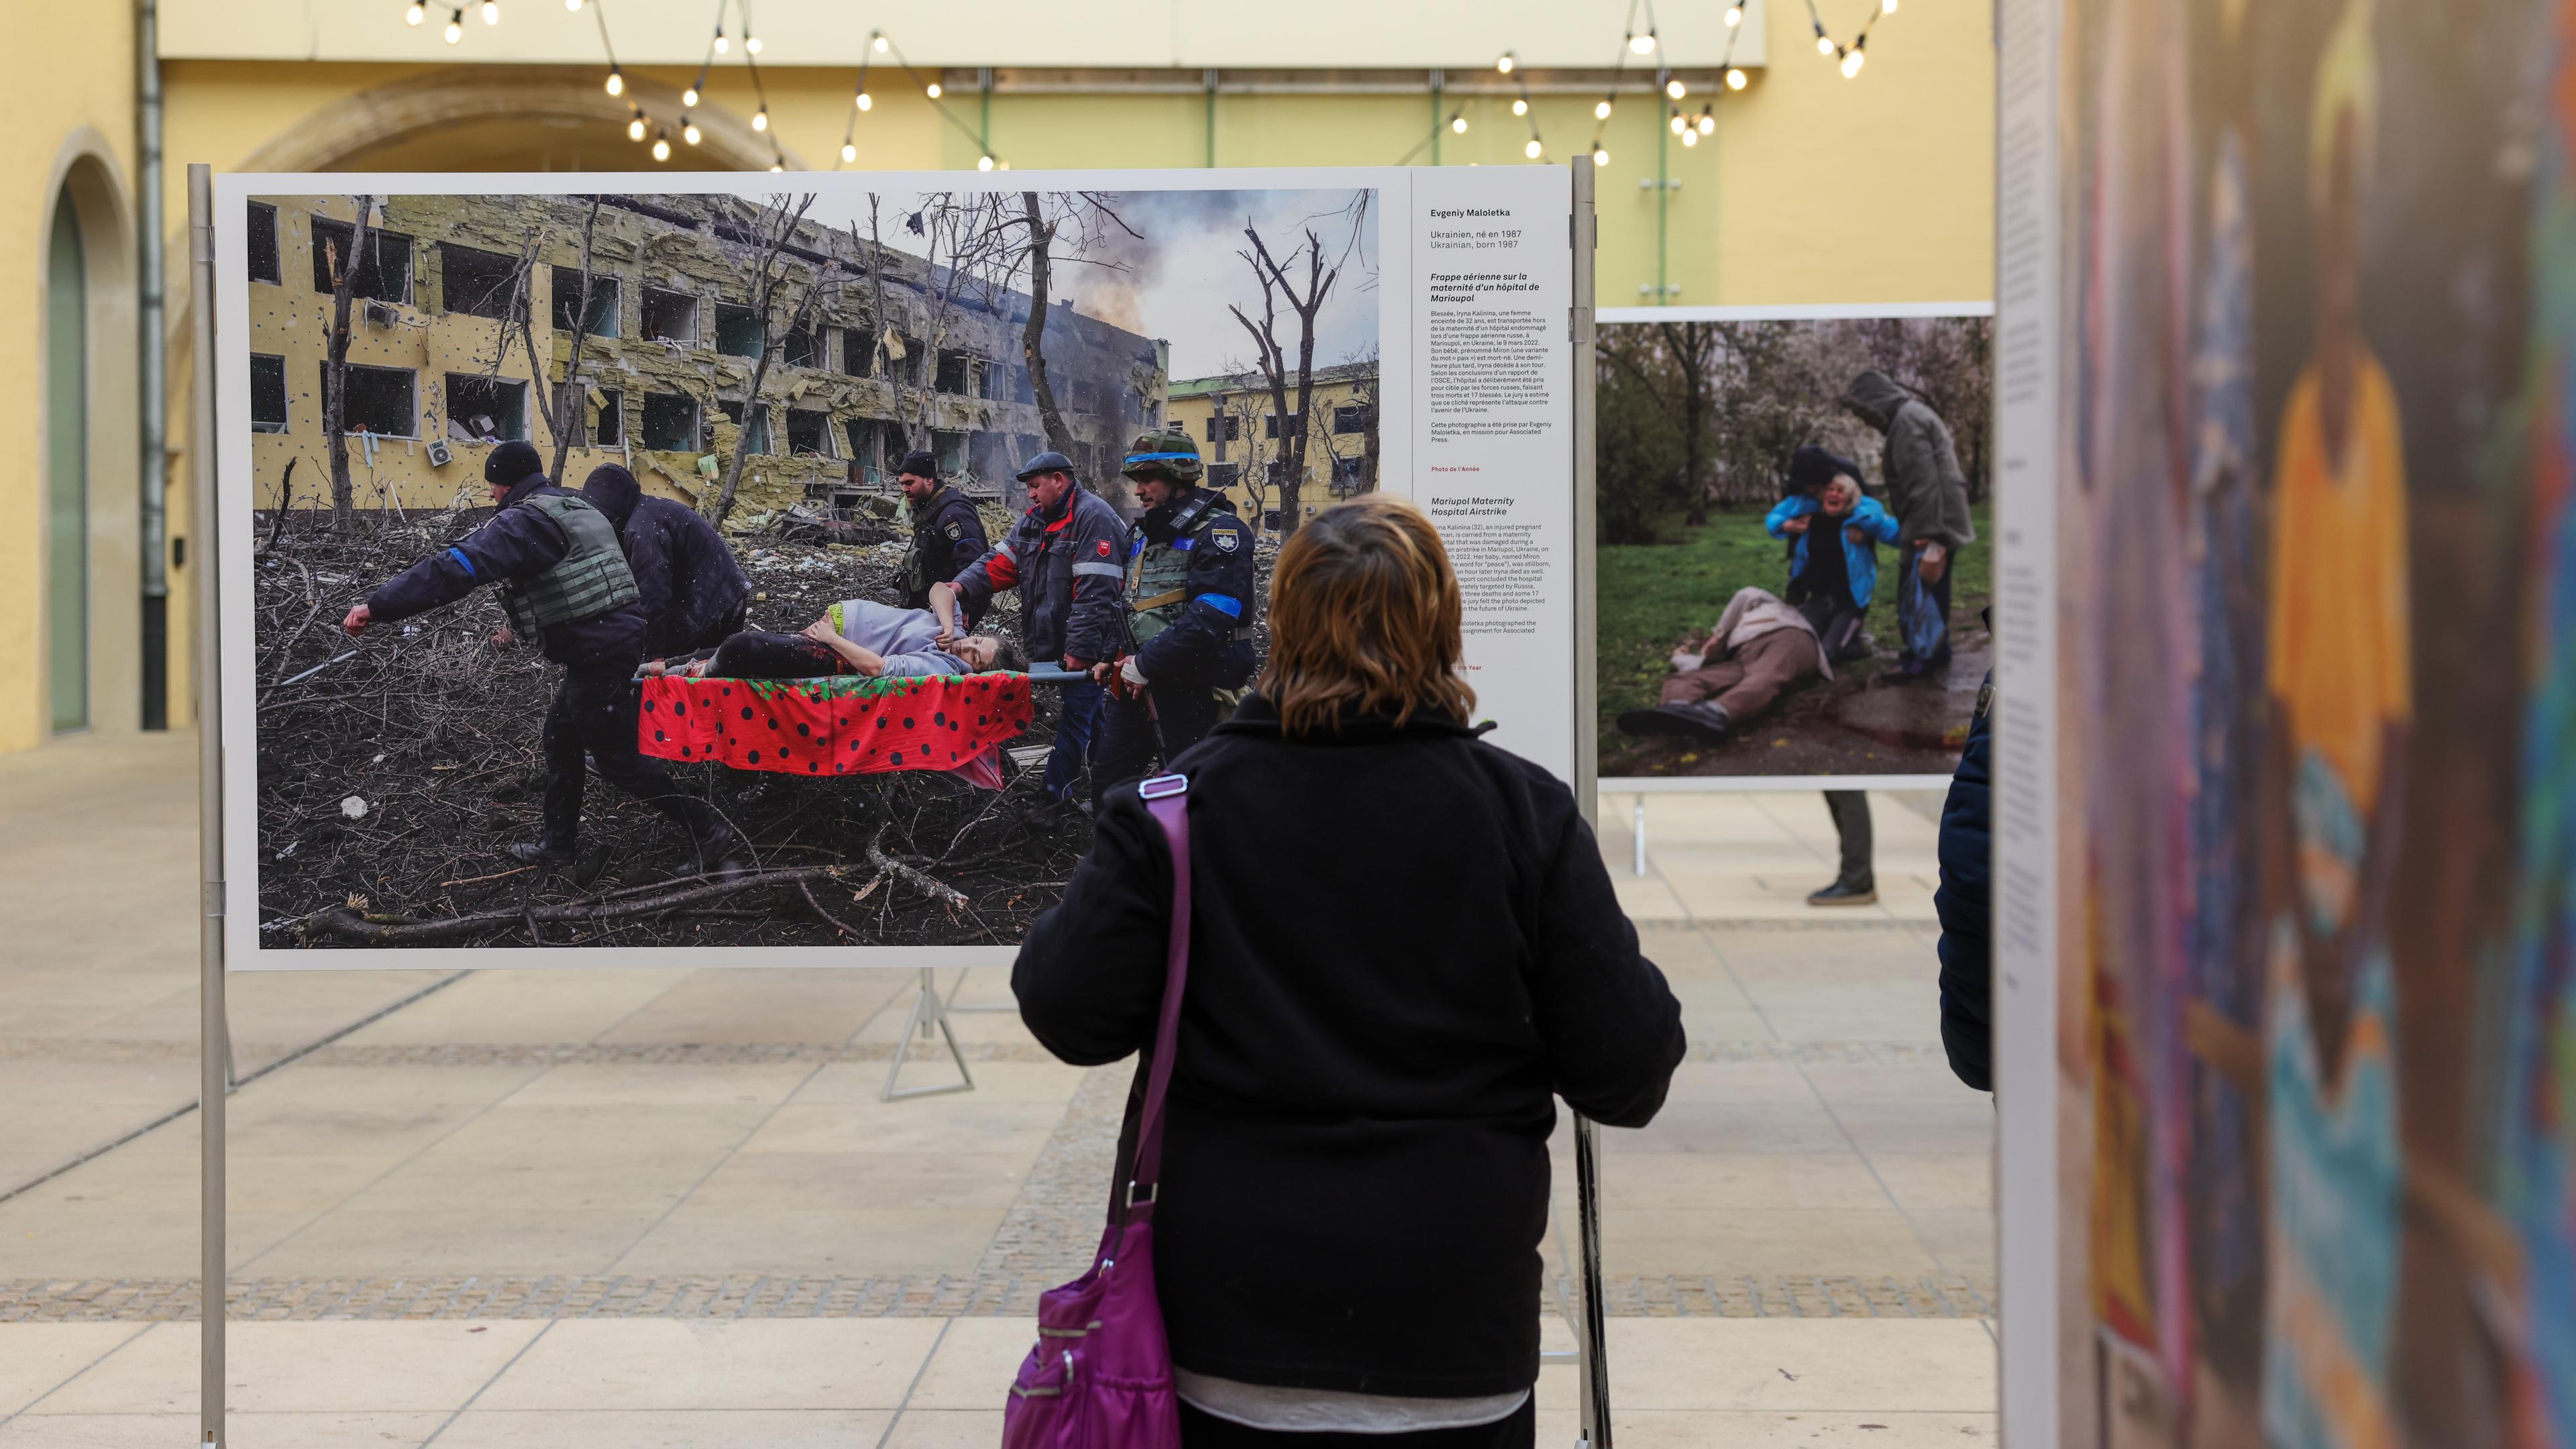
{"x":67,"y":410}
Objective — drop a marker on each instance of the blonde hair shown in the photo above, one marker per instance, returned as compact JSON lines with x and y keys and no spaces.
{"x":1364,"y":615}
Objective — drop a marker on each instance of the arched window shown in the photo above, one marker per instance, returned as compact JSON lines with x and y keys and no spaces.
{"x":67,"y":619}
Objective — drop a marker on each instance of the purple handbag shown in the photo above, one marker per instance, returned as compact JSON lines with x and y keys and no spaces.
{"x":1101,"y":1374}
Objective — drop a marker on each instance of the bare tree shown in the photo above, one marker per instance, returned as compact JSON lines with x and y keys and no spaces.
{"x":767,"y":237}
{"x":1041,"y":261}
{"x":565,"y":410}
{"x":1271,"y":351}
{"x":335,"y":366}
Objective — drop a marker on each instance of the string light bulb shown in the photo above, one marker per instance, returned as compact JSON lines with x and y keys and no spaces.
{"x":1887,"y":7}
{"x":491,"y":12}
{"x":1675,"y":89}
{"x":1679,"y":123}
{"x":1600,"y":155}
{"x":1458,"y":122}
{"x":983,"y":163}
{"x":635,"y":129}
{"x":616,"y":82}
{"x":689,"y":97}
{"x":1532,"y":149}
{"x":866,"y":101}
{"x":760,"y":119}
{"x":1707,"y":122}
{"x":1824,"y":42}
{"x":415,"y":14}
{"x":455,"y":26}
{"x":1642,"y":44}
{"x":689,"y":131}
{"x":751,"y":42}
{"x":1601,"y":109}
{"x":1690,"y":135}
{"x":849,"y":152}
{"x":1506,"y":62}
{"x":724,"y":46}
{"x":1734,"y":16}
{"x":934,"y":90}
{"x":879,"y":40}
{"x":777,"y":166}
{"x":573,"y":5}
{"x":1853,"y":59}
{"x":1736,"y":79}
{"x":1520,"y":106}
{"x":662,"y":147}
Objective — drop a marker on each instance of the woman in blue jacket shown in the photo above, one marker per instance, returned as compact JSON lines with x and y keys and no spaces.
{"x":1834,"y":586}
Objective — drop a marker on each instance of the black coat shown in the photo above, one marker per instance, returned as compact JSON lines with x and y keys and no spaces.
{"x":1200,"y":647}
{"x":950,"y":535}
{"x":1404,"y":946}
{"x":1965,"y":902}
{"x":517,"y":543}
{"x":1070,"y":568}
{"x":689,"y":582}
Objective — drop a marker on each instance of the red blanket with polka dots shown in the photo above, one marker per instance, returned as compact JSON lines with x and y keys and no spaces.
{"x":845,"y":725}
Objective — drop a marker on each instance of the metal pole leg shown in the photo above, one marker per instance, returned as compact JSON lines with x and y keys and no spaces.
{"x":214,"y":1035}
{"x":928,"y":1011}
{"x":1591,"y":1333}
{"x":1640,"y":834}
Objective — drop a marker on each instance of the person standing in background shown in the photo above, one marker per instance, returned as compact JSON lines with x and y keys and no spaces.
{"x":1929,"y":496}
{"x":692,"y":590}
{"x":947,"y":532}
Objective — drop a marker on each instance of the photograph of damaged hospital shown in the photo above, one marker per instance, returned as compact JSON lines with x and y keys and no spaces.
{"x":767,"y":362}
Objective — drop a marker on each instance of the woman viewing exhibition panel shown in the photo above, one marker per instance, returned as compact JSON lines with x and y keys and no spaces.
{"x":1404,"y":945}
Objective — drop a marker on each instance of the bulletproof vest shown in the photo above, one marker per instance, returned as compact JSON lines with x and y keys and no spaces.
{"x":1158,"y":574}
{"x":590,"y":580}
{"x":915,"y":571}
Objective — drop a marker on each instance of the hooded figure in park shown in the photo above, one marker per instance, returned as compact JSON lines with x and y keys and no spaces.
{"x":1929,"y":496}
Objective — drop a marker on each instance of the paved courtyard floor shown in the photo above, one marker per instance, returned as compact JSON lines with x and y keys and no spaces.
{"x":667,"y":1208}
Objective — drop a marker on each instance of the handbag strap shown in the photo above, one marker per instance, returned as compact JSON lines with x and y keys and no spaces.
{"x":1166,"y":798}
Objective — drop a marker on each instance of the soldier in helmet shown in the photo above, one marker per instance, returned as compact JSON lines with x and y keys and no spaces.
{"x":1190,"y":607}
{"x":566,"y":586}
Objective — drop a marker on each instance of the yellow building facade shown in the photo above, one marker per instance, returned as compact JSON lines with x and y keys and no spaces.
{"x":1806,"y":186}
{"x":1244,"y":439}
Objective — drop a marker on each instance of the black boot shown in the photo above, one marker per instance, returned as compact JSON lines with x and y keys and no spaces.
{"x":1848,"y":891}
{"x":723,"y":855}
{"x":1705,"y":720}
{"x":539,"y":852}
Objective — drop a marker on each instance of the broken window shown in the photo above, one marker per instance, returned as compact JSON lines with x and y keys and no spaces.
{"x":1024,"y":387}
{"x":1346,"y":476}
{"x":260,"y":242}
{"x":755,"y":434}
{"x":603,"y":303}
{"x":952,"y":372}
{"x":1222,"y":476}
{"x":671,"y":422}
{"x":803,"y":347}
{"x":907,"y":368}
{"x":996,"y":377}
{"x":267,"y":393}
{"x":608,"y":423}
{"x":380,"y":400}
{"x":951,"y":448}
{"x":858,"y":352}
{"x":1135,"y":402}
{"x":477,"y":283}
{"x":383,"y":274}
{"x":1270,"y":425}
{"x":486,"y":409}
{"x":1350,"y":418}
{"x":671,"y":317}
{"x":737,"y":330}
{"x":809,"y":432}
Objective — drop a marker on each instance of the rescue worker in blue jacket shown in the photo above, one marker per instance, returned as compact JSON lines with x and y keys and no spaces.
{"x":693,"y":591}
{"x":1067,"y":557}
{"x":947,"y":532}
{"x":1190,"y":605}
{"x":564,"y":582}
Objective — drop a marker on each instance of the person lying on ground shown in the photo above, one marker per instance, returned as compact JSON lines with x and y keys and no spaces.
{"x":1834,"y":587}
{"x":855,"y":636}
{"x":1760,"y":647}
{"x":692,"y":590}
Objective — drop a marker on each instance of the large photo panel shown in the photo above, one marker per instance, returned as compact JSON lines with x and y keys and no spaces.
{"x":2290,"y":1148}
{"x":1735,"y":650}
{"x":621,"y":571}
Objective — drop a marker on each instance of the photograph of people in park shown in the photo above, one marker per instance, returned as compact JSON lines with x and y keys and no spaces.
{"x":786,"y":569}
{"x":1792,"y":575}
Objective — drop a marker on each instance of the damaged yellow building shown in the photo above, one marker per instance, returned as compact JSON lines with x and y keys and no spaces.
{"x":1240,"y":437}
{"x":456,"y":298}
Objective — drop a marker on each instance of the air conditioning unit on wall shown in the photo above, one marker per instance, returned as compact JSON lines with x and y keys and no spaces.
{"x":439,"y":453}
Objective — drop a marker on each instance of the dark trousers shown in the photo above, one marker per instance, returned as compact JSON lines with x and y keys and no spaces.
{"x":1127,"y":737}
{"x":1850,"y":809}
{"x":1073,"y":732}
{"x":593,"y":713}
{"x":1837,"y":624}
{"x":1923,"y":612}
{"x":1515,"y":1430}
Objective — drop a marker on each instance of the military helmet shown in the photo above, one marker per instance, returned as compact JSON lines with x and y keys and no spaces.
{"x":1175,"y":454}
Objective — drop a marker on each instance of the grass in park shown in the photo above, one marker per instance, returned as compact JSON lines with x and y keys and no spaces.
{"x":1653,"y":594}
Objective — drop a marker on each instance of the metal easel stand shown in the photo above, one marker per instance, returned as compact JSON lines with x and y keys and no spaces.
{"x":928,"y":1010}
{"x":214,"y":1039}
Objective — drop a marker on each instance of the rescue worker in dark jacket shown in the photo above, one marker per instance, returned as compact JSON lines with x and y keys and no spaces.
{"x":1966,"y":904}
{"x":692,"y":590}
{"x":947,"y":532}
{"x":564,"y":581}
{"x":1066,"y":556}
{"x":1190,"y":606}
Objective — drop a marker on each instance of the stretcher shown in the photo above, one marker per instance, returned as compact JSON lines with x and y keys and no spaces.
{"x":843,"y":724}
